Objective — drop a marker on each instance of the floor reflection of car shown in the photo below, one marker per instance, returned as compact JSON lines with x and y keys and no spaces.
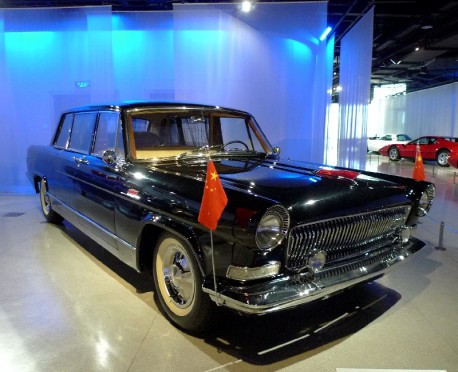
{"x":374,"y":144}
{"x":431,"y":148}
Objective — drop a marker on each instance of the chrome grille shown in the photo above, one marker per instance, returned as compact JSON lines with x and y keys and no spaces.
{"x":346,"y":240}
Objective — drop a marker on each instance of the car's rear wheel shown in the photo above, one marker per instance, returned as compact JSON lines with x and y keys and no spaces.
{"x":46,"y":208}
{"x":178,"y":282}
{"x":442,"y":158}
{"x":393,"y":153}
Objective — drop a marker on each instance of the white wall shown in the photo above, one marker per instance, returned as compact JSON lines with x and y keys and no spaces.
{"x":427,"y":112}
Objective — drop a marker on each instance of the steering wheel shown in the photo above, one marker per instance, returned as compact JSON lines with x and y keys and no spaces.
{"x":236,"y":141}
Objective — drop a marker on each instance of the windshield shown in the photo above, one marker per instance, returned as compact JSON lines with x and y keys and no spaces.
{"x":156,"y":134}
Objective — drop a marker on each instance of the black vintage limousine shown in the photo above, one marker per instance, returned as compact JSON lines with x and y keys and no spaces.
{"x":131,"y":176}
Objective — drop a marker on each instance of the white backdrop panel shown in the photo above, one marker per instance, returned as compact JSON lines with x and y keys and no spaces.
{"x":431,"y":111}
{"x":355,"y":75}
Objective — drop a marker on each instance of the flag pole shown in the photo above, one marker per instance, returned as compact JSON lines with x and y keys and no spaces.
{"x":214,"y":200}
{"x":213,"y":255}
{"x":214,"y":269}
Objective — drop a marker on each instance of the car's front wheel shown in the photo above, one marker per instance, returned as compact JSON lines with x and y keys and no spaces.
{"x":442,"y":158}
{"x":393,"y":153}
{"x":178,"y":282}
{"x":46,"y":208}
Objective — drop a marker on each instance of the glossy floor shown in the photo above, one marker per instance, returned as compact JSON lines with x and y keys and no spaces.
{"x":66,"y":305}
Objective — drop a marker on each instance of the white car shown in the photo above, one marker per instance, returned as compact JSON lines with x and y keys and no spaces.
{"x":376,"y":143}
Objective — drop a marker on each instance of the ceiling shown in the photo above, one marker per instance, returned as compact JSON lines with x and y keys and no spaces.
{"x":415,"y":42}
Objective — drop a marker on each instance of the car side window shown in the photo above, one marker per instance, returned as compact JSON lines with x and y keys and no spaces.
{"x":83,"y":131}
{"x":63,"y":136}
{"x":107,"y":130}
{"x":424,"y":141}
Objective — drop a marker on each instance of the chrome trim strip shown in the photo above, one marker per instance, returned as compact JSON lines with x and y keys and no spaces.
{"x":291,"y":291}
{"x":124,"y":250}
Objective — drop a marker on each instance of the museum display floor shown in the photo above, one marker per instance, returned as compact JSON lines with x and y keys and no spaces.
{"x":67,"y":305}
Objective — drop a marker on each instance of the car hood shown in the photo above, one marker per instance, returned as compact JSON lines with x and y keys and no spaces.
{"x":307,"y":190}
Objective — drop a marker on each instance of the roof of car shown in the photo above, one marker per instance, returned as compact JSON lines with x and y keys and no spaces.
{"x":119,"y":105}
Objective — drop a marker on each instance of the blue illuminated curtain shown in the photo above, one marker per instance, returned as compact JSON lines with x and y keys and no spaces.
{"x":330,"y":142}
{"x":143,"y":55}
{"x":355,"y":73}
{"x":269,"y":62}
{"x":45,"y":53}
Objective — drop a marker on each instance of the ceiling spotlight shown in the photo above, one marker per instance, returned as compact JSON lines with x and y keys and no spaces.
{"x":247,"y":6}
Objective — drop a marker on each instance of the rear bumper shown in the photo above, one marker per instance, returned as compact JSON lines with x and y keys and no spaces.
{"x":290,"y":291}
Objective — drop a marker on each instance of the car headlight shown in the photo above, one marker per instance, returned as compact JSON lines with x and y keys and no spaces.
{"x":272,"y":227}
{"x":426,"y":200}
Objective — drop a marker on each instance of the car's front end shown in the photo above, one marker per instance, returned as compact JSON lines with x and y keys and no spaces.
{"x":328,"y":230}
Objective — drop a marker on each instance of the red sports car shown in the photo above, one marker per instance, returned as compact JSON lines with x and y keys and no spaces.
{"x":453,"y":159}
{"x":431,"y":147}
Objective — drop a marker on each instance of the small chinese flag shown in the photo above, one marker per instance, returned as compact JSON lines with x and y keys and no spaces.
{"x":214,"y":199}
{"x":419,"y":170}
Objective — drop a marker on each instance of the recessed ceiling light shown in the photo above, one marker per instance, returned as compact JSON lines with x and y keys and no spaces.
{"x":247,"y":6}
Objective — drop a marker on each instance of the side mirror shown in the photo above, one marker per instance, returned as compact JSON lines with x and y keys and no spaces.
{"x":109,"y":157}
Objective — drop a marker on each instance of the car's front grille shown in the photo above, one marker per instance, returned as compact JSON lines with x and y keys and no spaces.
{"x":348,"y":241}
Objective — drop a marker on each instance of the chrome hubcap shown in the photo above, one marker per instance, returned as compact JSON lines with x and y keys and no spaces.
{"x":45,"y":202}
{"x":178,"y":277}
{"x":442,"y":159}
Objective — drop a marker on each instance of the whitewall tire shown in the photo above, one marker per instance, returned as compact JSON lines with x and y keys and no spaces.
{"x":178,"y":282}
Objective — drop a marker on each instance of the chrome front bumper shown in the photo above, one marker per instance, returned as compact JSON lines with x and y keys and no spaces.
{"x":290,"y":291}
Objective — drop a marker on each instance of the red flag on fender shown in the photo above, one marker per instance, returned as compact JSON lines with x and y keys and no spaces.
{"x":419,"y":170}
{"x":214,"y":199}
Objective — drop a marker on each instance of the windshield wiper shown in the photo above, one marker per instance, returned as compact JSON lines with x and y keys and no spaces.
{"x":199,"y":151}
{"x":210,"y":150}
{"x":207,"y":148}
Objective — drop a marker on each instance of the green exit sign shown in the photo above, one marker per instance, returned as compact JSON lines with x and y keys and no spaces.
{"x":83,"y":84}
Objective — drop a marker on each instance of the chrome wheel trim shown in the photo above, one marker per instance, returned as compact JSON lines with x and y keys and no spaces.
{"x":175,"y":277}
{"x":442,"y":158}
{"x":393,"y":153}
{"x":44,"y":198}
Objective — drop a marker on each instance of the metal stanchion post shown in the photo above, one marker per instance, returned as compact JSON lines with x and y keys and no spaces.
{"x":434,"y":171}
{"x":441,"y":237}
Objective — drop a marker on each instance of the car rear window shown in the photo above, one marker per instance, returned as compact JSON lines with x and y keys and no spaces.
{"x":82,"y":131}
{"x":63,"y":136}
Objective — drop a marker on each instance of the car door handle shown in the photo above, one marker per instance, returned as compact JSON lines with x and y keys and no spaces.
{"x":80,"y":160}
